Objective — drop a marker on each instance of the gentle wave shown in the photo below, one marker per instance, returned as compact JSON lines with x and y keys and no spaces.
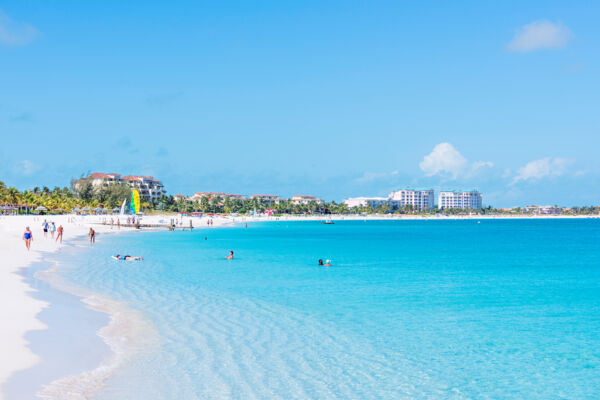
{"x":127,"y":333}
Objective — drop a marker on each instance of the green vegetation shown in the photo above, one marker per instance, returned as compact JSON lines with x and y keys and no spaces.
{"x":218,"y":205}
{"x":64,"y":199}
{"x":83,"y":194}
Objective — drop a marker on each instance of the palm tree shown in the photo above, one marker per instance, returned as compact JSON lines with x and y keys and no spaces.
{"x":13,"y":195}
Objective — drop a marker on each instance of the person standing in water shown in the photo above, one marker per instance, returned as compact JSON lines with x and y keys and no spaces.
{"x":92,"y":236}
{"x":230,"y":256}
{"x":59,"y":233}
{"x":27,"y":237}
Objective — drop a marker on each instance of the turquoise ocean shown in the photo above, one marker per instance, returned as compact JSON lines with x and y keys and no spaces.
{"x":409,"y":310}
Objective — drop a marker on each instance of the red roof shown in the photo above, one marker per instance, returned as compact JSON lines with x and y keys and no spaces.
{"x":99,"y":175}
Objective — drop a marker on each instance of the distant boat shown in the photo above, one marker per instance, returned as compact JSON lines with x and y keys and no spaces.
{"x":328,"y":221}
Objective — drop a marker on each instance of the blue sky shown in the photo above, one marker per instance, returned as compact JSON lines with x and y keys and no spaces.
{"x":335,"y":99}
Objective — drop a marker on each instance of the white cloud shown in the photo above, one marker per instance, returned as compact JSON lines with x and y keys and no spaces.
{"x":540,"y":35}
{"x":543,"y":168}
{"x":478,"y":165}
{"x":13,"y":33}
{"x":444,"y":160}
{"x":26,"y":167}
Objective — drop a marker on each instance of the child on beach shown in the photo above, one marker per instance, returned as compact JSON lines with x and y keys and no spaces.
{"x":27,"y":237}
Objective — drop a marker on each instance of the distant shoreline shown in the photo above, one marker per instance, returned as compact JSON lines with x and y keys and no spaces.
{"x":374,"y":217}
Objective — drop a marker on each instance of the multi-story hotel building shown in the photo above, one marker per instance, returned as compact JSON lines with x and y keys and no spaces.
{"x":462,"y":200}
{"x":211,"y":195}
{"x":366,"y":201}
{"x":418,"y":199}
{"x":543,"y":210}
{"x":304,"y":199}
{"x":269,"y":198}
{"x":101,"y":180}
{"x":148,"y":187}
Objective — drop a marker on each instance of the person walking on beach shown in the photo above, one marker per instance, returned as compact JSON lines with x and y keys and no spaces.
{"x":52,"y":230}
{"x":45,"y":226}
{"x":118,"y":223}
{"x":27,"y":237}
{"x":92,"y":236}
{"x":59,"y":234}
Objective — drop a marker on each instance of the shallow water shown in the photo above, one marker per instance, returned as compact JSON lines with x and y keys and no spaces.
{"x":410,"y":309}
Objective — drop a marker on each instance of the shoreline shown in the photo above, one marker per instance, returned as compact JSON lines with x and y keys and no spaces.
{"x":19,"y":306}
{"x":125,"y":333}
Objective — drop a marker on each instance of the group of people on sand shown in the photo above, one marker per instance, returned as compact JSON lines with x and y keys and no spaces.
{"x":112,"y":222}
{"x":46,"y":227}
{"x":51,"y":227}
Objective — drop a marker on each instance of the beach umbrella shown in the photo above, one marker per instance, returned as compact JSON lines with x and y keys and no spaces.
{"x":116,"y":209}
{"x":86,"y":209}
{"x":77,"y":209}
{"x":41,"y":208}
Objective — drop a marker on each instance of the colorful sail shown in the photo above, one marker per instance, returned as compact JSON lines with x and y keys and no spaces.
{"x":134,"y":206}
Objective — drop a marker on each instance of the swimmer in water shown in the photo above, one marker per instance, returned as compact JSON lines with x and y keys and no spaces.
{"x":328,"y":263}
{"x":320,"y":262}
{"x":230,"y":256}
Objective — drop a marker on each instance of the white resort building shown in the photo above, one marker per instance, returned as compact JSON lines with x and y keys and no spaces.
{"x":305,"y":199}
{"x":366,"y":201}
{"x":148,"y":187}
{"x":462,"y":200}
{"x":542,"y":210}
{"x":211,"y":195}
{"x":269,"y":198}
{"x":419,"y":199}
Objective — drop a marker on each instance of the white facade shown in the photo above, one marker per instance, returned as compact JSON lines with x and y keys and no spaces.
{"x":148,"y":187}
{"x":211,"y":195}
{"x":100,"y":180}
{"x":462,"y":200}
{"x":418,"y":199}
{"x":543,"y":210}
{"x":304,"y":199}
{"x":366,"y":201}
{"x":269,"y":198}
